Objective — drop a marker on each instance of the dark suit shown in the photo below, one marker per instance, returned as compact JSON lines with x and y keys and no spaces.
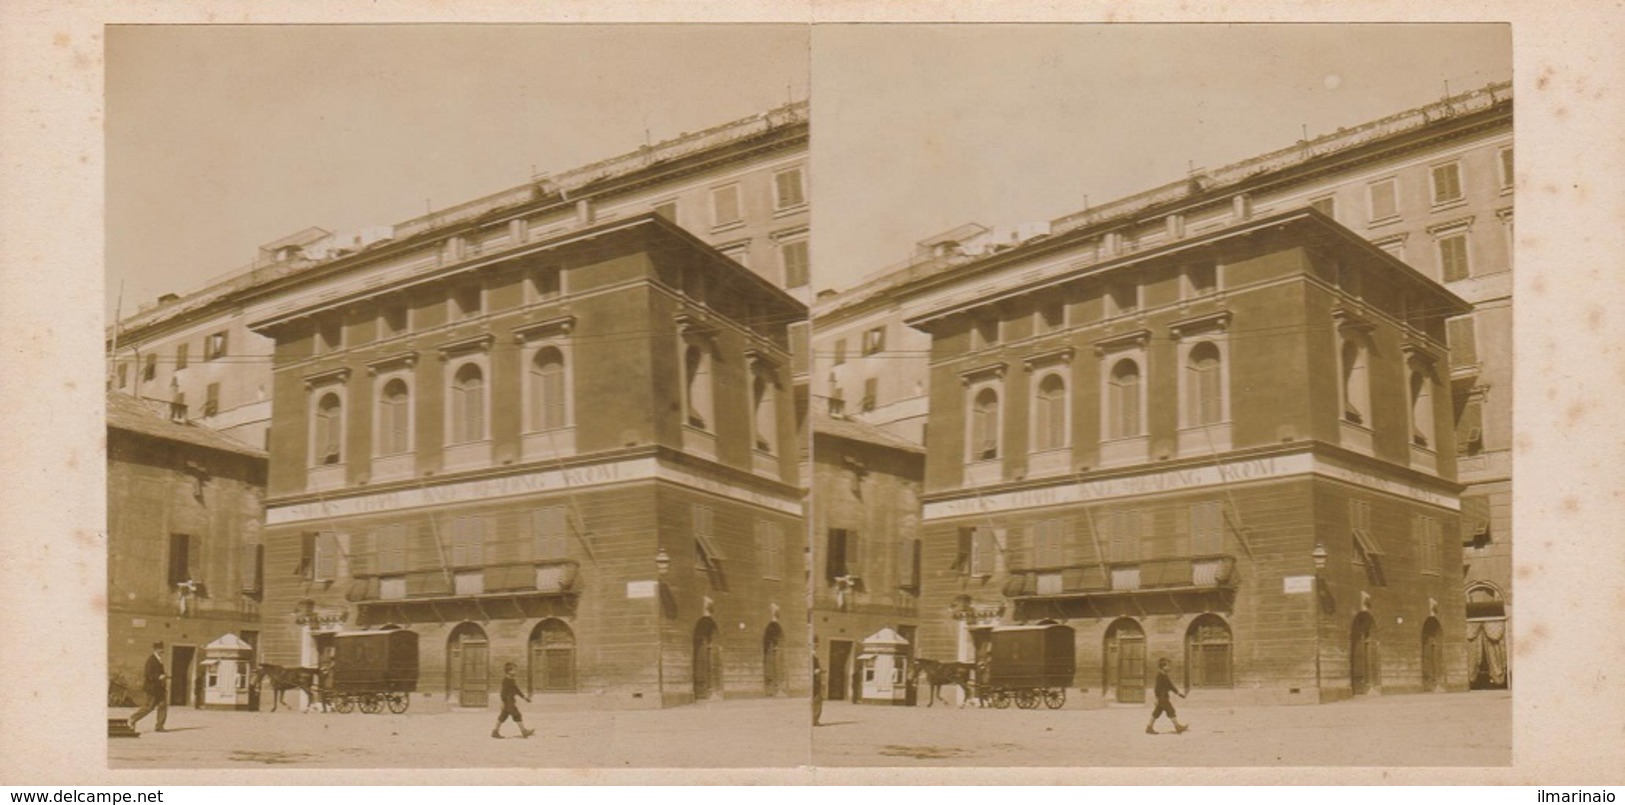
{"x":157,"y":697}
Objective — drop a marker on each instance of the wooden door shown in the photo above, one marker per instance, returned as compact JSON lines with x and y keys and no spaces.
{"x":840,"y":668}
{"x":474,"y":674}
{"x":180,"y":675}
{"x":1360,"y":655}
{"x":707,"y":661}
{"x":772,"y":660}
{"x":1125,"y":661}
{"x":1432,"y":656}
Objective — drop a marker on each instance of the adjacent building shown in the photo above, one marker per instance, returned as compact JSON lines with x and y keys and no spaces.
{"x":866,"y":488}
{"x":185,"y":556}
{"x":577,"y":454}
{"x":1432,"y":186}
{"x":1231,"y":450}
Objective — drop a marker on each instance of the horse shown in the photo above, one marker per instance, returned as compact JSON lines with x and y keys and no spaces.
{"x":284,"y":679}
{"x":938,"y":674}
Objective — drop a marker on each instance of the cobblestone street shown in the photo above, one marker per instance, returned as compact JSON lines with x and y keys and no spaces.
{"x":1461,"y":729}
{"x":1470,"y":729}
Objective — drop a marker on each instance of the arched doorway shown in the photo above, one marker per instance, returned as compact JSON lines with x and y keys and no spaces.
{"x":1432,"y":655}
{"x":707,"y":660}
{"x":467,"y":666}
{"x":1125,"y":660}
{"x":1207,"y":653}
{"x":1487,"y":657}
{"x":552,"y":657}
{"x":773,"y":660}
{"x":1364,"y":662}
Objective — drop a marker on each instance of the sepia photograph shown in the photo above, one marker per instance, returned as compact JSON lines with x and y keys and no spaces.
{"x":453,"y":379}
{"x":1164,"y":373}
{"x":422,"y":396}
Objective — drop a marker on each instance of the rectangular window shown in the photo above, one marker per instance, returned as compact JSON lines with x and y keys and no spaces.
{"x":793,"y":256}
{"x":1394,"y":246}
{"x":466,"y":302}
{"x":1048,"y":539}
{"x":787,"y":189}
{"x":1207,"y":528}
{"x":149,"y":369}
{"x":214,"y":346}
{"x":984,"y":332}
{"x":1384,"y":197}
{"x":1425,"y":532}
{"x":211,"y":400}
{"x":984,"y":552}
{"x":391,"y":547}
{"x":1365,"y":543}
{"x":874,"y":340}
{"x":550,"y":526}
{"x":840,"y":351}
{"x":725,"y":205}
{"x":1507,"y":177}
{"x":667,"y":210}
{"x":123,"y":375}
{"x":546,"y":283}
{"x":180,"y":356}
{"x":1051,"y":315}
{"x":1446,"y":183}
{"x":306,"y":569}
{"x":1463,"y":342}
{"x":180,"y":558}
{"x":254,"y":570}
{"x":1201,"y":279}
{"x":908,"y":564}
{"x":835,"y":553}
{"x":1453,"y":257}
{"x":393,"y":321}
{"x":871,"y":393}
{"x":327,"y":556}
{"x":739,"y":254}
{"x":705,"y":538}
{"x":1325,"y":205}
{"x":770,"y":547}
{"x":1122,"y":297}
{"x":467,"y":541}
{"x":1470,"y":429}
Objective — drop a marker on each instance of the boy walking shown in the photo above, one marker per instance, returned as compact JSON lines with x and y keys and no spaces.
{"x":510,"y":691}
{"x":1164,"y":705}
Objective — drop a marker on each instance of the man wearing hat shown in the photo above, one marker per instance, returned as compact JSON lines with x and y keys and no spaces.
{"x":153,"y":686}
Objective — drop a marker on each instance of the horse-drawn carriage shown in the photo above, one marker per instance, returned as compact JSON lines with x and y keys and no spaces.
{"x":373,"y":670}
{"x":1028,"y":665}
{"x":370,"y":670}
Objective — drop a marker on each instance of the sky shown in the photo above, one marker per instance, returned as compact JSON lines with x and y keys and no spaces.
{"x":918,"y":129}
{"x":222,"y":138}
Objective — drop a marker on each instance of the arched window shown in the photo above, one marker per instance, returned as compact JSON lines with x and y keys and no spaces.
{"x":1049,"y":413}
{"x":394,"y":419}
{"x":1124,"y":399}
{"x":547,"y":391}
{"x":468,"y":405}
{"x":1207,"y":653}
{"x":766,"y":416}
{"x":985,"y":426}
{"x":1206,"y":386}
{"x":1421,"y":406}
{"x":329,"y":430}
{"x":1356,"y":384}
{"x":697,"y":373}
{"x":552,"y":657}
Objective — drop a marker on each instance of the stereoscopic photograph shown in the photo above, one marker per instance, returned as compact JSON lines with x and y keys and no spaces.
{"x":511,"y":395}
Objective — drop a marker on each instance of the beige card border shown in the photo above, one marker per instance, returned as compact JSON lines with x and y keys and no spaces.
{"x":1570,"y":695}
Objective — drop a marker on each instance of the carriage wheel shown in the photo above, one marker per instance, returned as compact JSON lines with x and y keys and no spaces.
{"x":398,"y":702}
{"x":370,"y":704}
{"x":344,"y":704}
{"x":1054,"y":698}
{"x":1001,"y":699}
{"x":1027,"y":699}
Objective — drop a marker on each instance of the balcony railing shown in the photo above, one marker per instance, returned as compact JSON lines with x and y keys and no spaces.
{"x":524,"y":589}
{"x":1157,"y":575}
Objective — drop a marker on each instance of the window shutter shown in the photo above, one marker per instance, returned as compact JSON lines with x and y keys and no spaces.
{"x":1463,"y":342}
{"x":962,"y":553}
{"x":835,"y":553}
{"x":908,"y":563}
{"x":986,"y":552}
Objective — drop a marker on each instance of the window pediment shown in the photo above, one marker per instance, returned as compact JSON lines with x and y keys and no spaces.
{"x":991,"y":371}
{"x":1134,"y":339}
{"x":1211,"y":322}
{"x":1063,"y":355}
{"x":401,"y":359}
{"x":478,"y":343}
{"x":330,"y":377}
{"x":546,"y":328}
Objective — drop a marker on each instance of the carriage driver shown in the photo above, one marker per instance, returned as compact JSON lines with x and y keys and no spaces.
{"x":510,"y":691}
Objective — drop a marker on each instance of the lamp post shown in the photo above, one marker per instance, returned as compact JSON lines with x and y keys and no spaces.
{"x":662,"y":564}
{"x":1319,"y":557}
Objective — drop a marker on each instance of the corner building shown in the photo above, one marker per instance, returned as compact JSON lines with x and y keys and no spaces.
{"x":576,"y":455}
{"x":1156,"y":448}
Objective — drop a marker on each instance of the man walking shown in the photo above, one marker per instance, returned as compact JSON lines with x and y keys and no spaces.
{"x":510,"y":691}
{"x":1164,"y":705}
{"x":153,"y":684}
